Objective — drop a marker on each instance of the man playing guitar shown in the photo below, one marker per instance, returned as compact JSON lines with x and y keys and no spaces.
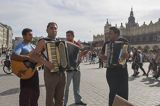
{"x":29,"y":88}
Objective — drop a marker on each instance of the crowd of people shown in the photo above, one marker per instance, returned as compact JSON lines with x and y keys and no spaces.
{"x":138,"y":57}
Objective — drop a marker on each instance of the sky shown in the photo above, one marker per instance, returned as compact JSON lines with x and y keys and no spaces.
{"x":85,"y":17}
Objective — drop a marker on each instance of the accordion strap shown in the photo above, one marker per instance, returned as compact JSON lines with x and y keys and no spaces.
{"x":46,"y":39}
{"x":44,"y":56}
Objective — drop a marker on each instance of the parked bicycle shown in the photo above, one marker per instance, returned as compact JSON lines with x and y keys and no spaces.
{"x":6,"y":65}
{"x":6,"y":57}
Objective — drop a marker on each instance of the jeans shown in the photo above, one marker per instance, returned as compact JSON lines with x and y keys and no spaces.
{"x":75,"y":75}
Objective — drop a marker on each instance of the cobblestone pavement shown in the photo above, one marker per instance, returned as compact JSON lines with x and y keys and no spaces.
{"x":94,"y":89}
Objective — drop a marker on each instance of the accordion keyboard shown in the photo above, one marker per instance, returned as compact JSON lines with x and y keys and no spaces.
{"x":53,"y":55}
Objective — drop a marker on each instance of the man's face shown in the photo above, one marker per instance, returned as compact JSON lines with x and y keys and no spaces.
{"x":28,"y":36}
{"x":52,"y":30}
{"x":69,"y":37}
{"x":112,"y":35}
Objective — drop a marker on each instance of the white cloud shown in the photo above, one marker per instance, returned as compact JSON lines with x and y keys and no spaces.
{"x":85,"y":17}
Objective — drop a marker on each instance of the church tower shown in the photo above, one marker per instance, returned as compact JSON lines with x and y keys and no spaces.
{"x":106,"y":30}
{"x":131,"y":20}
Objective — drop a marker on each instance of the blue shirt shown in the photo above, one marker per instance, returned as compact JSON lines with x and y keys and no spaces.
{"x":23,"y":48}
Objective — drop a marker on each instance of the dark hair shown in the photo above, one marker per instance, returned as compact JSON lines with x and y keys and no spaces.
{"x":26,"y":30}
{"x":71,"y":32}
{"x":115,"y":30}
{"x":50,"y":23}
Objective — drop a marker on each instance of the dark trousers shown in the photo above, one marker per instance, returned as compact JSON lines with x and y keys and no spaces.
{"x":117,"y":79}
{"x":152,"y":66}
{"x":141,"y":67}
{"x":100,"y":64}
{"x":29,"y":96}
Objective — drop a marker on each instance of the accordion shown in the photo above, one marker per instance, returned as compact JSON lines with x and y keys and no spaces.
{"x":124,"y":50}
{"x":115,"y":52}
{"x":63,"y":55}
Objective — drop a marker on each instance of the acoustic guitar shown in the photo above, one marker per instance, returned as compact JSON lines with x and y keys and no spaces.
{"x":25,"y":69}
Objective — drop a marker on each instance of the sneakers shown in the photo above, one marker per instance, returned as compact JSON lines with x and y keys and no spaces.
{"x":135,"y":74}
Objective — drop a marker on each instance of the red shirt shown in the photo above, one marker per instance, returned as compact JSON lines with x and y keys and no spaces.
{"x":78,"y":44}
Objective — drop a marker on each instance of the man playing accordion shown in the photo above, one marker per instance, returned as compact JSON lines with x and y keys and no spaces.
{"x":115,"y":53}
{"x":54,"y":80}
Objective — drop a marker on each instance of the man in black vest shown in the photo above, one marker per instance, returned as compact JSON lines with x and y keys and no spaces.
{"x":117,"y":73}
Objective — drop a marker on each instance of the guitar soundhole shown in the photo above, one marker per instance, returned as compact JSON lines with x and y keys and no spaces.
{"x":29,"y":64}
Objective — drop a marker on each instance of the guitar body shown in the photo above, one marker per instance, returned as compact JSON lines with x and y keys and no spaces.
{"x":19,"y":69}
{"x":24,"y":69}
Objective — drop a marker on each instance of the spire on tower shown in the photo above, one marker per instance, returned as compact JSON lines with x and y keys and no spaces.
{"x":107,"y":21}
{"x":131,"y":13}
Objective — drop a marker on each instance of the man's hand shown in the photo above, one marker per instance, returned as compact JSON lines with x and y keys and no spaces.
{"x":35,"y":58}
{"x":125,"y":55}
{"x":49,"y":65}
{"x":26,"y":57}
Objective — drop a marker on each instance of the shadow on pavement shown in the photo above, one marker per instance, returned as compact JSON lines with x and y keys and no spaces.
{"x":10,"y":92}
{"x":149,"y":79}
{"x":87,"y":64}
{"x":155,"y":85}
{"x":2,"y":75}
{"x":93,"y":68}
{"x":73,"y":104}
{"x":13,"y":91}
{"x":131,"y":78}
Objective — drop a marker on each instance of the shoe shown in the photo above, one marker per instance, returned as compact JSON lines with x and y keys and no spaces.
{"x":144,"y":74}
{"x":156,"y":77}
{"x":136,"y":74}
{"x":80,"y":103}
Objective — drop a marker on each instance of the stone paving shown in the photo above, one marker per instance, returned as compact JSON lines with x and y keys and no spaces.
{"x":94,"y":89}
